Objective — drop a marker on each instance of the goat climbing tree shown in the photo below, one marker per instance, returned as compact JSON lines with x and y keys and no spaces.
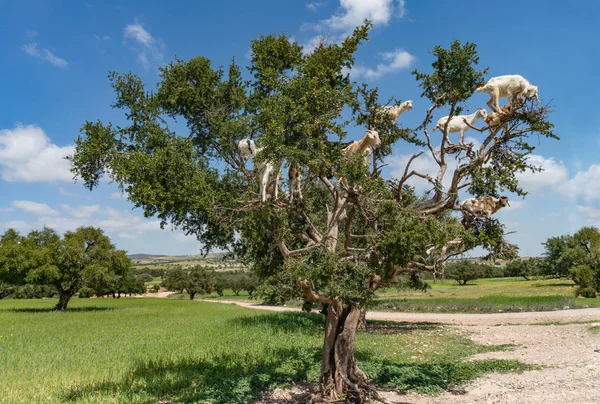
{"x":342,"y":240}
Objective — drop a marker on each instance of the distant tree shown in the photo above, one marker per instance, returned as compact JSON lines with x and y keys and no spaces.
{"x":557,"y":261}
{"x":175,"y":280}
{"x":81,"y":257}
{"x":221,"y":283}
{"x":199,"y":281}
{"x":523,"y":267}
{"x":576,"y":256}
{"x":145,"y":277}
{"x":463,"y":271}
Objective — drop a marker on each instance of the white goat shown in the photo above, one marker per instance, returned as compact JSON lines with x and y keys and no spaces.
{"x":457,"y":123}
{"x":394,"y":111}
{"x":266,"y":170}
{"x":486,"y":206}
{"x":370,"y":139}
{"x":510,"y":86}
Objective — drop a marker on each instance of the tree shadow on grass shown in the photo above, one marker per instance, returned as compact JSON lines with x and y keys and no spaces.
{"x":51,"y":309}
{"x":222,"y":379}
{"x":233,"y":378}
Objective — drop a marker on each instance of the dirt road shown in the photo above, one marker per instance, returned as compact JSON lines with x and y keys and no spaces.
{"x":569,"y":354}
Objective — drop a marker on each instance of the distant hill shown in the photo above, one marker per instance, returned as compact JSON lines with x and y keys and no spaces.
{"x":145,"y":256}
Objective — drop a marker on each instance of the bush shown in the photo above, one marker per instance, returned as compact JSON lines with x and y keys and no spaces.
{"x":155,"y":288}
{"x":587,"y":292}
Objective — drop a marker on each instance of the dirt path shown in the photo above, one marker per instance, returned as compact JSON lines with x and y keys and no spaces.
{"x":575,"y":315}
{"x":570,"y":355}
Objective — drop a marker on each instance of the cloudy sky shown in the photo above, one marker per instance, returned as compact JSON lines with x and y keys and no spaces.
{"x":56,"y":55}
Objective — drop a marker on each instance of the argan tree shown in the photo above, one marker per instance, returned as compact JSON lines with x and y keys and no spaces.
{"x":352,"y":231}
{"x":84,"y":257}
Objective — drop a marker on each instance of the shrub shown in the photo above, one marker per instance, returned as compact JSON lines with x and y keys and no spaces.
{"x":155,"y":288}
{"x":587,"y":292}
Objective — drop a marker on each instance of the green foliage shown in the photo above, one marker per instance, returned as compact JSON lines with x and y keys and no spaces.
{"x":464,"y":271}
{"x":175,"y":280}
{"x":199,"y":281}
{"x":576,"y":256}
{"x":84,"y":257}
{"x":454,"y":78}
{"x":523,"y":267}
{"x":587,"y":292}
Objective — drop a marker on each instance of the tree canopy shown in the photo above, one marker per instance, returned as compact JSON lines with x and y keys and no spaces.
{"x":344,"y":238}
{"x":84,"y":257}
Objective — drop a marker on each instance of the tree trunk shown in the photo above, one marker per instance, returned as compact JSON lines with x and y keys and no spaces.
{"x":362,"y":321}
{"x":192,"y":295}
{"x":63,"y":300}
{"x":340,"y":376}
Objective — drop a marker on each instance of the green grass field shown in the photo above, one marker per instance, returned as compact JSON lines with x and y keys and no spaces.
{"x":485,"y":296}
{"x":143,"y":350}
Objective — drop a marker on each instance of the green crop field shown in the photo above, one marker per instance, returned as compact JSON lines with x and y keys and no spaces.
{"x":485,"y":296}
{"x":142,"y":350}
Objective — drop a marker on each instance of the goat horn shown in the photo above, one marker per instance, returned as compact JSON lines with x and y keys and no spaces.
{"x":508,"y":203}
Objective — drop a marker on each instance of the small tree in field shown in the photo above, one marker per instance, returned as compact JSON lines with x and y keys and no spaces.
{"x":463,"y":271}
{"x":175,"y":279}
{"x":576,"y":256}
{"x":84,"y":257}
{"x":345,"y":238}
{"x":199,"y":280}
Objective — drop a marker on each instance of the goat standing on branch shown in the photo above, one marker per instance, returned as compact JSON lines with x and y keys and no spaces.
{"x":370,"y":139}
{"x":487,"y":206}
{"x":394,"y":111}
{"x":457,"y":124}
{"x":510,"y":86}
{"x":265,"y":170}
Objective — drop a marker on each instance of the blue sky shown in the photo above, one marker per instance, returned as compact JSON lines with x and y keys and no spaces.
{"x":56,"y":55}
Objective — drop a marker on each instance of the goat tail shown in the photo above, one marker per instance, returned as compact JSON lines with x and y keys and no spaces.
{"x":434,"y":128}
{"x":480,"y":89}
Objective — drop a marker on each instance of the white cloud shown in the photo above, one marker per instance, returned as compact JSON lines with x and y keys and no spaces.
{"x":32,"y":50}
{"x":584,"y":185}
{"x":102,"y":37}
{"x":27,"y":154}
{"x":394,"y":61}
{"x":118,"y":195}
{"x":554,"y":173}
{"x":354,"y":12}
{"x":31,"y":33}
{"x":591,"y":216}
{"x":144,"y":44}
{"x":183,"y":238}
{"x":15,"y":224}
{"x":314,"y":6}
{"x":82,"y":211}
{"x":35,"y":208}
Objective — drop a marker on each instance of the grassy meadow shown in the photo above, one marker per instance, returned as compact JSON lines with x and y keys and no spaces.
{"x":484,"y":296}
{"x":143,"y":350}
